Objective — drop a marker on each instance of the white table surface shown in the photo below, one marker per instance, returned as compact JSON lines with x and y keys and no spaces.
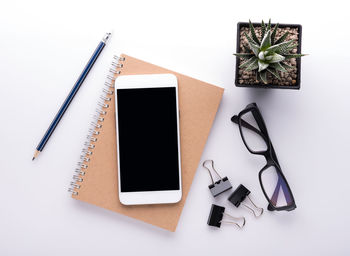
{"x":43,"y":48}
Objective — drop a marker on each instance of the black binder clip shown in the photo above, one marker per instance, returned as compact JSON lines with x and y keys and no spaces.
{"x":239,"y":195}
{"x":217,"y":214}
{"x":219,"y":186}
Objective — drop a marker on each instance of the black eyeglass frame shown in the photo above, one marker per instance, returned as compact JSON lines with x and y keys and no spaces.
{"x":269,"y":153}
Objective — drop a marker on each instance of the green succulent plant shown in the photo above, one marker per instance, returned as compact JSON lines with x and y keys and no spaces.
{"x":267,"y":54}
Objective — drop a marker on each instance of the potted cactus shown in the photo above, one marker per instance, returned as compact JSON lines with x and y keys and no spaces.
{"x":268,"y":55}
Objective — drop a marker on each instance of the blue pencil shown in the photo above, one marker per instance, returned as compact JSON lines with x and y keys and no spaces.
{"x":71,"y":95}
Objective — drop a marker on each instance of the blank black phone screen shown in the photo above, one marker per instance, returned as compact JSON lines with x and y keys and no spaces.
{"x":148,"y":139}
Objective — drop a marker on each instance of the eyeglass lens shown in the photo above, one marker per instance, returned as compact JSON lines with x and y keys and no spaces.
{"x":276,"y":187}
{"x":254,"y":141}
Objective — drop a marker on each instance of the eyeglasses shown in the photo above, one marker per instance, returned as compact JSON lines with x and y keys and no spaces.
{"x":255,"y":137}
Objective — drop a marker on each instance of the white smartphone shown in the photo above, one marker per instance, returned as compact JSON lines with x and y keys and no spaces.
{"x":148,"y":139}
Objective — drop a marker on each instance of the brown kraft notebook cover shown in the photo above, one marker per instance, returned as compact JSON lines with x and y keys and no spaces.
{"x":198,"y":104}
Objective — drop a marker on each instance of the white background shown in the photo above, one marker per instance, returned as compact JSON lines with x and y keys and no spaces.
{"x":43,"y":48}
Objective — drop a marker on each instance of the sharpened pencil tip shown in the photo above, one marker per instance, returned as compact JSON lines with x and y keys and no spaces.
{"x":35,"y":154}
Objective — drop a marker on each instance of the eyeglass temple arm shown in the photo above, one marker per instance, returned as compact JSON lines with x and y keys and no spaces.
{"x":261,"y":133}
{"x":263,"y":129}
{"x":274,"y":156}
{"x":247,"y":125}
{"x":260,"y":121}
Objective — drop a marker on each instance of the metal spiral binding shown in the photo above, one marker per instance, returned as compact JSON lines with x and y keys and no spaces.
{"x":96,"y":124}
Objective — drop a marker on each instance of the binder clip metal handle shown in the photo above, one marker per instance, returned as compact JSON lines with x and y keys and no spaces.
{"x":221,"y":185}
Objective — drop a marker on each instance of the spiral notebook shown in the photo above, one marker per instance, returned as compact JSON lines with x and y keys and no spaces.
{"x":95,"y":179}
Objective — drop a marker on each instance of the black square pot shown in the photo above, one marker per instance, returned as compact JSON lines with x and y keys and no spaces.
{"x":296,"y":86}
